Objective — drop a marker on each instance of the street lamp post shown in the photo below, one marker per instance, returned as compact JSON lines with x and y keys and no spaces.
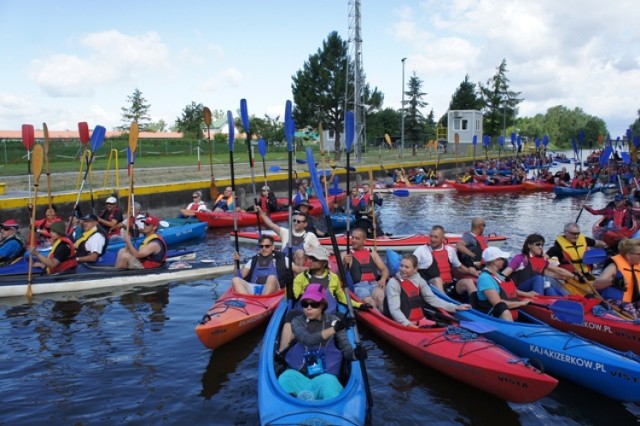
{"x":402,"y":111}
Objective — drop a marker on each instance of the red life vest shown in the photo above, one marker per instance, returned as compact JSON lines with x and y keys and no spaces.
{"x":414,"y":300}
{"x":368,"y":270}
{"x":441,"y":258}
{"x":70,"y":263}
{"x":620,"y":217}
{"x":508,"y":291}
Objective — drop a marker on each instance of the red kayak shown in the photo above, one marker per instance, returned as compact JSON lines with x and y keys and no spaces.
{"x":481,"y":187}
{"x":225,"y":219}
{"x":600,"y":325}
{"x":465,"y":356}
{"x":538,"y":185}
{"x":234,"y":314}
{"x":613,"y":236}
{"x":404,"y":243}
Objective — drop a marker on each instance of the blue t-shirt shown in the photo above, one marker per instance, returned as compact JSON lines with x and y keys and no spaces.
{"x":486,"y":282}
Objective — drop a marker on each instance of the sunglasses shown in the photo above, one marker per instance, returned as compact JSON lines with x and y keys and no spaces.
{"x":195,"y":196}
{"x":538,"y":244}
{"x":265,"y":245}
{"x":298,"y":221}
{"x":310,"y":304}
{"x":313,"y":259}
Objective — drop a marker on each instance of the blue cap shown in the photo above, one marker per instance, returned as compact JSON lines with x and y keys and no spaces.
{"x":618,"y":197}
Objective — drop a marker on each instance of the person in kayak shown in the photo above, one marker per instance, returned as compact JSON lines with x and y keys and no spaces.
{"x":318,"y":273}
{"x":111,"y":219}
{"x":617,"y":214}
{"x":267,"y":201}
{"x":368,"y":270}
{"x":314,"y":362}
{"x":300,"y":238}
{"x":619,"y":282}
{"x":12,"y":244}
{"x":264,"y":273}
{"x":224,"y":202}
{"x":407,"y":293}
{"x":530,"y":269}
{"x":62,"y":257}
{"x":304,"y":208}
{"x":472,"y":243}
{"x":570,"y":247}
{"x":197,"y":205}
{"x":152,"y":252}
{"x":93,"y":242}
{"x":437,"y":263}
{"x":43,"y":225}
{"x":496,"y":296}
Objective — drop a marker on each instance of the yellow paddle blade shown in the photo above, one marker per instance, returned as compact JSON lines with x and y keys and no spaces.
{"x":207,"y":116}
{"x":134,"y":132}
{"x":37,"y":157}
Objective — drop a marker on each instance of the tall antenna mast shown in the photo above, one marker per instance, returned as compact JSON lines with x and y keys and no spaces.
{"x":355,"y":52}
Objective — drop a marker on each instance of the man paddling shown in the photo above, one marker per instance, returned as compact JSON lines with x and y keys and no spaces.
{"x":151,"y":254}
{"x":62,"y":257}
{"x":570,"y":247}
{"x":437,"y":262}
{"x":93,"y":242}
{"x":12,"y":245}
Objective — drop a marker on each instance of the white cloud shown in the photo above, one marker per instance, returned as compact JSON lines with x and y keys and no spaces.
{"x":230,"y":76}
{"x":111,"y":58}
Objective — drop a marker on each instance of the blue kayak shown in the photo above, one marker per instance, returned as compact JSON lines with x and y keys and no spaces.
{"x":339,"y":221}
{"x":279,"y":408}
{"x":563,"y":191}
{"x":605,"y":371}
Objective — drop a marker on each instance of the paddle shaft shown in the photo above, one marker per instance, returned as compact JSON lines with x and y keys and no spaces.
{"x":37,"y":171}
{"x":588,"y":194}
{"x":235,"y":216}
{"x":373,"y":210}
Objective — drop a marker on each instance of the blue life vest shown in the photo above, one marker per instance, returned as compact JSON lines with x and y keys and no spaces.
{"x":263,"y":267}
{"x":328,"y":351}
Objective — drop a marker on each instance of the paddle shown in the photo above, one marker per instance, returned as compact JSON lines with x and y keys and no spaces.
{"x":133,"y":145}
{"x":565,"y":310}
{"x":401,"y":192}
{"x":321,"y":133}
{"x":604,"y":159}
{"x":28,"y":139}
{"x":345,"y":276}
{"x":262,"y":149}
{"x":213,"y":188}
{"x":244,"y":114}
{"x":289,"y":131}
{"x":45,"y":130}
{"x":594,"y":255}
{"x":38,"y":154}
{"x":473,"y":326}
{"x":233,"y":187}
{"x":349,"y":133}
{"x":373,"y":209}
{"x":97,"y":138}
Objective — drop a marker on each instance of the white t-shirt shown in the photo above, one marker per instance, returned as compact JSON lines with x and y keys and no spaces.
{"x":309,"y":240}
{"x":425,"y":258}
{"x":95,"y":243}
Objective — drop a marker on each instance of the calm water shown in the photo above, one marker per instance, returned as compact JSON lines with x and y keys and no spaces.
{"x":132,"y":356}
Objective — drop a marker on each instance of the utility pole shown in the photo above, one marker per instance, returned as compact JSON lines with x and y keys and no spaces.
{"x":402,"y":110}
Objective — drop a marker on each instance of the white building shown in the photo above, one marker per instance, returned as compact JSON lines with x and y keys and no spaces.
{"x":466,"y":123}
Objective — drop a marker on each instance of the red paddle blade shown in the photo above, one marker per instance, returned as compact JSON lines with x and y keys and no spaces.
{"x":83,"y":129}
{"x":28,"y":136}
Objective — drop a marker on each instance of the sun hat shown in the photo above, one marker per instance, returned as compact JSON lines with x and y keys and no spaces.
{"x":492,"y":253}
{"x":151,"y":220}
{"x":10,"y":223}
{"x":111,"y":200}
{"x":304,"y":202}
{"x":89,"y":217}
{"x":58,"y":228}
{"x":315,"y":292}
{"x":318,"y":252}
{"x":266,"y":188}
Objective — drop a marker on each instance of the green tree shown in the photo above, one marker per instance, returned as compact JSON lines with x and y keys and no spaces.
{"x":466,"y":96}
{"x":500,"y":105}
{"x":269,"y":128}
{"x":414,"y":121}
{"x":430,"y":127}
{"x":381,"y":122}
{"x":319,"y":88}
{"x":191,"y":121}
{"x":138,"y":110}
{"x":635,"y":127}
{"x":160,"y":126}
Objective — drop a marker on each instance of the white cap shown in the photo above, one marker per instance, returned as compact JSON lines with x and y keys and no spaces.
{"x":318,"y":252}
{"x":111,"y":200}
{"x":492,"y":253}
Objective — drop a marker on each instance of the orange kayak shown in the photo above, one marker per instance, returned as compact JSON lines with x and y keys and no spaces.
{"x":234,"y":314}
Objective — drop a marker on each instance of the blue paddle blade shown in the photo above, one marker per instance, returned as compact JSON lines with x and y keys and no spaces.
{"x":315,"y":181}
{"x":300,"y":161}
{"x":288,"y":126}
{"x":594,"y":255}
{"x":274,"y":168}
{"x":625,"y":158}
{"x":513,"y":138}
{"x":477,"y":327}
{"x":545,"y":140}
{"x":474,"y":140}
{"x":574,"y":146}
{"x":262,"y":147}
{"x":501,"y":141}
{"x":629,"y":134}
{"x":636,"y":141}
{"x":568,"y":311}
{"x":519,"y":140}
{"x":581,"y":137}
{"x":231,"y":126}
{"x":604,"y":157}
{"x":538,"y":142}
{"x":131,"y":158}
{"x":335,"y":191}
{"x":486,"y":140}
{"x":401,"y":192}
{"x":244,"y":114}
{"x":97,"y":137}
{"x":349,"y":130}
{"x":392,"y":261}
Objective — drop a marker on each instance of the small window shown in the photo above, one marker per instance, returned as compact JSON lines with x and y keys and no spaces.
{"x":456,"y":124}
{"x":465,"y":124}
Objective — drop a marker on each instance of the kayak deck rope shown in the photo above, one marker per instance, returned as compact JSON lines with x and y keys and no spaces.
{"x":463,"y":336}
{"x":223,"y":306}
{"x":601,"y":311}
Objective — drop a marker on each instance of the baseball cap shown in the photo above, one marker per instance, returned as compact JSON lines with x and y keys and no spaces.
{"x":315,"y":292}
{"x":89,"y":216}
{"x":111,"y":200}
{"x":10,"y":223}
{"x":266,"y":188}
{"x":618,"y":197}
{"x":58,"y":228}
{"x":304,"y":202}
{"x":151,"y":220}
{"x":492,"y":253}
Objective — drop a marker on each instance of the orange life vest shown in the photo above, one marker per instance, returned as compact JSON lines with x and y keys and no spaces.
{"x":70,"y":263}
{"x":631,"y":294}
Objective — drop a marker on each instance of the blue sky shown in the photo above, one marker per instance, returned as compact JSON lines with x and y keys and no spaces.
{"x":68,"y":61}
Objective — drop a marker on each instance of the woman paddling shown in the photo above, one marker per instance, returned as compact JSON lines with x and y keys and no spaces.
{"x":619,"y":282}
